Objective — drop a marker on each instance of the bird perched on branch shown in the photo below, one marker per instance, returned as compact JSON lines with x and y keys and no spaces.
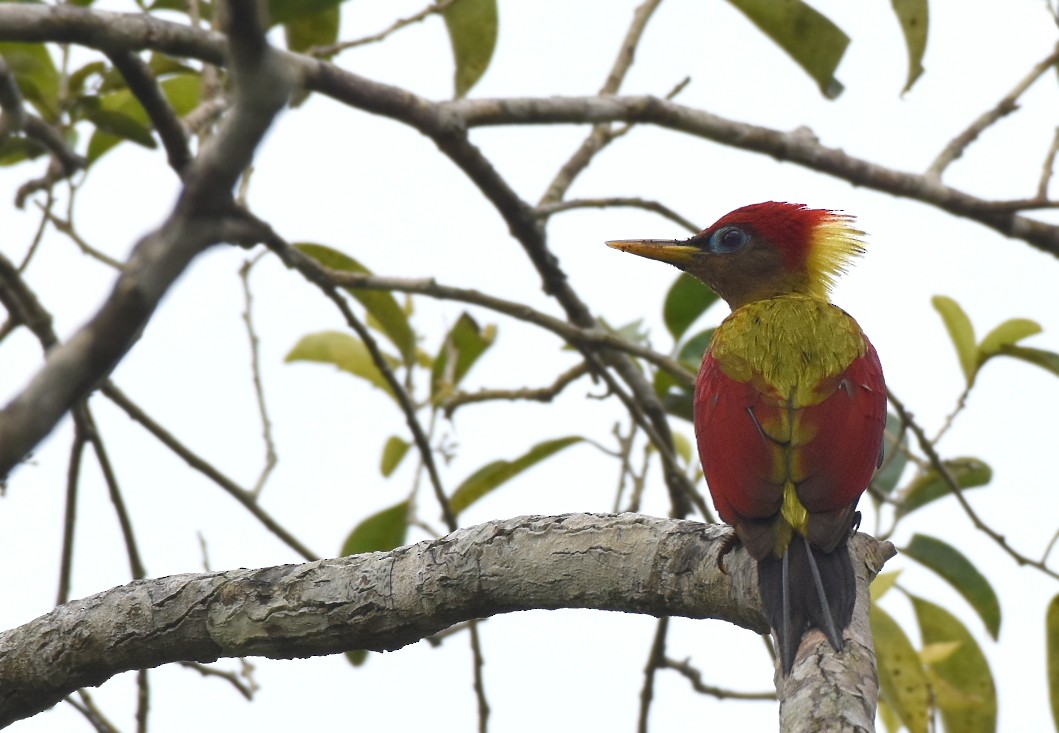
{"x":789,"y":405}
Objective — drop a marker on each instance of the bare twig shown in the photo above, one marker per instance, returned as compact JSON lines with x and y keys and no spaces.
{"x":143,"y":700}
{"x":95,"y":717}
{"x":321,"y":278}
{"x":1007,"y":105}
{"x":1048,"y":169}
{"x":243,"y":496}
{"x":261,"y":83}
{"x":694,"y":676}
{"x":245,"y":689}
{"x":255,"y":370}
{"x":66,"y":227}
{"x":572,"y":334}
{"x":639,"y":203}
{"x":479,"y":680}
{"x":538,"y":394}
{"x":602,"y":134}
{"x":88,"y":425}
{"x":655,"y":660}
{"x":939,"y":466}
{"x":327,"y":52}
{"x":73,"y":482}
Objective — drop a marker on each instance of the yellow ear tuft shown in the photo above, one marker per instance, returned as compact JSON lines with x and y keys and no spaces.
{"x":833,"y":246}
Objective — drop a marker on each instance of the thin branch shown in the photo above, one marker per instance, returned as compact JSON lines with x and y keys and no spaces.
{"x":143,"y":700}
{"x":939,"y":466}
{"x":261,"y":83}
{"x":255,"y":371}
{"x":320,"y":277}
{"x":1007,"y":105}
{"x":73,"y":475}
{"x":1048,"y":169}
{"x":655,"y":659}
{"x":602,"y":134}
{"x":42,"y":226}
{"x":232,"y":678}
{"x":538,"y":394}
{"x":83,"y":415}
{"x":95,"y":717}
{"x":479,"y":680}
{"x":243,"y":496}
{"x":633,"y":202}
{"x":694,"y":676}
{"x":572,"y":334}
{"x":144,"y":87}
{"x":66,"y":227}
{"x":327,"y":52}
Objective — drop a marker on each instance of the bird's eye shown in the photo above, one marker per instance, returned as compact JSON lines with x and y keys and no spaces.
{"x":728,"y":239}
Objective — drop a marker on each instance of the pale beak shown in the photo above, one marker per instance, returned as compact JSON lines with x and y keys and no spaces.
{"x":673,"y":251}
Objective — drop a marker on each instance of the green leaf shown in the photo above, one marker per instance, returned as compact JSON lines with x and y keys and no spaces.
{"x":914,"y":17}
{"x":120,"y":125}
{"x":968,"y":473}
{"x":307,"y":31}
{"x":962,"y":682}
{"x":895,"y":456}
{"x":950,"y":564}
{"x":36,"y":76}
{"x":464,"y":343}
{"x":1051,"y":633}
{"x":693,"y":349}
{"x":902,"y":679}
{"x":1044,"y":359}
{"x":281,"y":12}
{"x":682,"y":446}
{"x":392,"y":453}
{"x":357,"y":657}
{"x":391,"y":317}
{"x":344,"y":351}
{"x":14,"y":150}
{"x":961,"y":332}
{"x":889,"y":717}
{"x":493,"y":475}
{"x":814,"y":42}
{"x":687,"y":299}
{"x":120,"y":116}
{"x":472,"y":26}
{"x":1007,"y":333}
{"x":381,"y":531}
{"x":183,"y":92}
{"x":882,"y":583}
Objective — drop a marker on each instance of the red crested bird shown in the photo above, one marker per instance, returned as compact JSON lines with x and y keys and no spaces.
{"x":789,"y":405}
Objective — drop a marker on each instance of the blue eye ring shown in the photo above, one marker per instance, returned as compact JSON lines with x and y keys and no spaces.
{"x":728,"y":239}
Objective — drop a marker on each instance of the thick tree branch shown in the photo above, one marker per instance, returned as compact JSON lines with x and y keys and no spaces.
{"x":72,"y":370}
{"x":387,"y":600}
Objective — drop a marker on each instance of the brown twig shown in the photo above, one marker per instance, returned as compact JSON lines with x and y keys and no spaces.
{"x":243,"y":496}
{"x":1048,"y":169}
{"x":66,"y":227}
{"x":694,"y":676}
{"x":538,"y":394}
{"x":1007,"y":105}
{"x":327,"y":52}
{"x":939,"y":466}
{"x":255,"y":371}
{"x":634,"y":202}
{"x":73,"y":482}
{"x":655,"y":660}
{"x":232,"y":678}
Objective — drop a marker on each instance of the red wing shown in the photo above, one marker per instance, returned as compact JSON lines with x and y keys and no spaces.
{"x":835,"y":466}
{"x":738,"y":460}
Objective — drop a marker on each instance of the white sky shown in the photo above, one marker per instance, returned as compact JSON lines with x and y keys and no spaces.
{"x":384,"y":194}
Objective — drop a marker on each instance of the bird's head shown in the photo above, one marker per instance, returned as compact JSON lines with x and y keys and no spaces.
{"x":762,"y":251}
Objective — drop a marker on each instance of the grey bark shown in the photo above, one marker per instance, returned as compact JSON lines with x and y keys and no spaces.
{"x":385,"y":600}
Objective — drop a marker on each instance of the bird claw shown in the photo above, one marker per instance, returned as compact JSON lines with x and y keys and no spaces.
{"x":730,"y":543}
